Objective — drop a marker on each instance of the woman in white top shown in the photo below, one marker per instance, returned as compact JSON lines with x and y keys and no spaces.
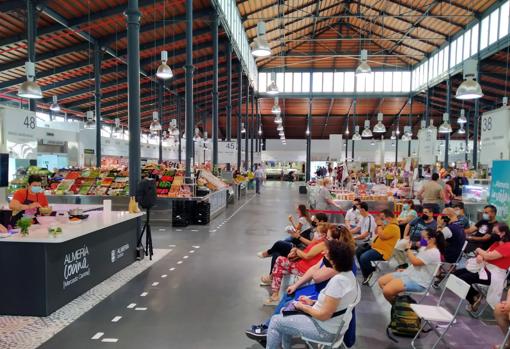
{"x":417,"y":277}
{"x":304,"y":220}
{"x":320,"y":319}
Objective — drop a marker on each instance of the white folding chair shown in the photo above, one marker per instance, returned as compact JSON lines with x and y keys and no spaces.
{"x":379,"y":266}
{"x":450,"y":267}
{"x":424,"y":293}
{"x":483,"y":290}
{"x":338,"y":341}
{"x":432,"y":314}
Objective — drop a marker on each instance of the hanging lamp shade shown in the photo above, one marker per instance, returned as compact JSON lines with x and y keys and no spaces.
{"x":347,"y":130}
{"x":408,"y":131}
{"x":363,"y":67}
{"x":470,"y":88}
{"x":379,"y":127}
{"x":260,"y":130}
{"x":445,"y":126}
{"x":117,"y":129}
{"x":164,"y":72}
{"x":431,"y":127}
{"x":155,"y":126}
{"x":243,"y":130}
{"x":54,"y":105}
{"x":372,"y":142}
{"x":461,"y":130}
{"x":307,"y":132}
{"x":90,"y":123}
{"x":356,"y":136}
{"x":279,"y":127}
{"x":29,"y":89}
{"x":462,"y":118}
{"x":393,"y":136}
{"x":276,"y":109}
{"x":278,"y":119}
{"x":367,"y":133}
{"x":261,"y":47}
{"x":272,"y":89}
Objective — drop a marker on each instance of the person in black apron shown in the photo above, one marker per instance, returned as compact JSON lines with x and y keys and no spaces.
{"x":22,"y":202}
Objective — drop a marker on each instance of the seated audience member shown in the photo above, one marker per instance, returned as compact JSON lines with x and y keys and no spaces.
{"x":418,"y":276}
{"x":497,"y":261}
{"x":502,"y":316}
{"x":298,"y":262}
{"x":448,"y":195}
{"x":480,"y":235}
{"x":310,"y":284}
{"x":408,"y":213}
{"x":3,"y":229}
{"x":461,"y":215}
{"x":353,"y":217}
{"x":320,"y":320}
{"x":283,"y":247}
{"x":304,"y":223}
{"x":367,"y":226}
{"x":412,"y":234}
{"x":386,"y":236}
{"x":453,"y":234}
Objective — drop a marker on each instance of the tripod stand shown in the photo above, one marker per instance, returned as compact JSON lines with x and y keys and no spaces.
{"x":148,"y":251}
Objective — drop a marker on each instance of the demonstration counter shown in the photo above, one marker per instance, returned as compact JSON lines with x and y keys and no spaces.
{"x":41,"y":273}
{"x":163,"y":211}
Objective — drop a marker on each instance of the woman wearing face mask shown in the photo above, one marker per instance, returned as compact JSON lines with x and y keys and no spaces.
{"x":407,"y":215}
{"x":27,"y":201}
{"x":417,"y":277}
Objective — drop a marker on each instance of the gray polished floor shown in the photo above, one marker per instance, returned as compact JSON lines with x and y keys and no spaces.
{"x":212,"y":295}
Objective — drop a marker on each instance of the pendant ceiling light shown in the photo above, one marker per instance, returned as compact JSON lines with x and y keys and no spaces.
{"x":367,"y":133}
{"x":445,"y":126}
{"x":272,"y":89}
{"x":260,"y":130}
{"x":347,"y":129}
{"x":462,"y":118}
{"x":397,"y":131}
{"x":379,"y":127}
{"x":356,"y":136}
{"x":372,"y":142}
{"x":164,"y":72}
{"x":90,"y":123}
{"x":261,"y":47}
{"x":407,"y":136}
{"x":278,"y":119}
{"x":423,"y":124}
{"x":30,"y":89}
{"x":393,"y":136}
{"x":281,"y":133}
{"x":172,"y":129}
{"x":462,"y":130}
{"x":307,"y":132}
{"x":155,"y":126}
{"x":243,"y":130}
{"x":117,"y":129}
{"x":431,"y":127}
{"x":54,"y":105}
{"x":279,"y":127}
{"x":470,"y":88}
{"x":363,"y":67}
{"x":276,"y":107}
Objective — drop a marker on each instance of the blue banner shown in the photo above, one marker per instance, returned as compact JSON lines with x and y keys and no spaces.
{"x":500,"y":188}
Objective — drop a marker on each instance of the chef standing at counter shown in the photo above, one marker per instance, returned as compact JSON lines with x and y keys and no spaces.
{"x":27,"y":201}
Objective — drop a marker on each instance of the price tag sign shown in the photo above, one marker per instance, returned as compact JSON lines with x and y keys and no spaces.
{"x":495,"y":140}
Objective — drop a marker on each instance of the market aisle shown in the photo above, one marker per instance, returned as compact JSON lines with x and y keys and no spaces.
{"x":210,"y":297}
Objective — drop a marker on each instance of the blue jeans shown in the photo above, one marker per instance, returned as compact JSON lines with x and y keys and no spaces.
{"x":257,"y":185}
{"x":282,"y":329}
{"x":365,"y":261}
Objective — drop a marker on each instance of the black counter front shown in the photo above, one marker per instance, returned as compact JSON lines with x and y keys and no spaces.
{"x":38,"y":276}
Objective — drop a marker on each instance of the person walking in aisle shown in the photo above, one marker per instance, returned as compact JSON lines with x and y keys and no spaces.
{"x":259,"y":177}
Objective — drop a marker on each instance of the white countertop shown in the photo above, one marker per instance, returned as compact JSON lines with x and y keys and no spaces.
{"x":96,"y":221}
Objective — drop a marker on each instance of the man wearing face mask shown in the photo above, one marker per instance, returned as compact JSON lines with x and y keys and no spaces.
{"x":353,"y":217}
{"x":453,"y":233}
{"x":480,"y":235}
{"x":27,"y":201}
{"x":461,"y":215}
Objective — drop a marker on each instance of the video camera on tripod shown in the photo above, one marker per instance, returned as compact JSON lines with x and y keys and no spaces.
{"x":146,"y":198}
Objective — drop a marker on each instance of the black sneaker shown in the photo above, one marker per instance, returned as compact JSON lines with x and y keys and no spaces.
{"x":257,"y":333}
{"x":403,"y":266}
{"x":366,"y":281}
